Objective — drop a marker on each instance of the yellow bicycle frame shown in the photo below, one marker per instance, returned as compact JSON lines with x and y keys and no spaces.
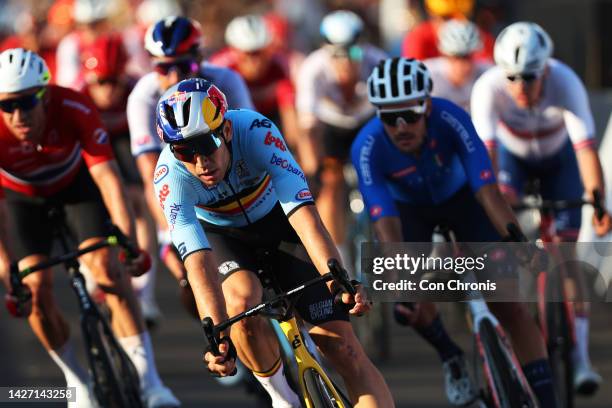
{"x":305,"y":361}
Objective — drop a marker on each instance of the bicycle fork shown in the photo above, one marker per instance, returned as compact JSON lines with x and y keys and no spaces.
{"x":305,"y":361}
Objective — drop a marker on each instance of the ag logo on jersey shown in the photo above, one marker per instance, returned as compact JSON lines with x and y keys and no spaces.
{"x":260,"y":123}
{"x":100,"y":136}
{"x":160,"y":172}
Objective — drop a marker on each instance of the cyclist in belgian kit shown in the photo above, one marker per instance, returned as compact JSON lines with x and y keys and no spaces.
{"x":420,"y":163}
{"x":227,"y":171}
{"x":55,"y":151}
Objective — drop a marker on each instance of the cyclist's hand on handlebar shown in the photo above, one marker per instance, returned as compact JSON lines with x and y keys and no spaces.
{"x":360,"y":302}
{"x":136,"y":265}
{"x":602,"y":225}
{"x":224,"y":364}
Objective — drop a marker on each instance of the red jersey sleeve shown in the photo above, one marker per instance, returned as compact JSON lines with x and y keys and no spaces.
{"x":88,"y":128}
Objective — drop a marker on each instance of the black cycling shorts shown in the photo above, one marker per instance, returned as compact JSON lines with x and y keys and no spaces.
{"x":125,"y":160}
{"x":30,"y":229}
{"x":237,"y":248}
{"x":337,"y":141}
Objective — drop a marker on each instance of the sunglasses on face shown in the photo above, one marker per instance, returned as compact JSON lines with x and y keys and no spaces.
{"x":188,"y":66}
{"x":23,"y":103}
{"x":410,"y":115}
{"x":204,"y":145}
{"x":530,"y":77}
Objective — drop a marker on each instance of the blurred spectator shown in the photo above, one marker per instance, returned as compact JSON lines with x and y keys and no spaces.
{"x":265,"y":71}
{"x":422,"y":41}
{"x":43,"y":33}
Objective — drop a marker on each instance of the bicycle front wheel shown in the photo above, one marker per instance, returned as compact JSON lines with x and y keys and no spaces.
{"x":506,"y":390}
{"x":115,"y":379}
{"x":320,"y":394}
{"x":560,"y":352}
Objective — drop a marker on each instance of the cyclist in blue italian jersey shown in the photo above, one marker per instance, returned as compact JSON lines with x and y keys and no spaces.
{"x":225,"y":175}
{"x":420,"y":164}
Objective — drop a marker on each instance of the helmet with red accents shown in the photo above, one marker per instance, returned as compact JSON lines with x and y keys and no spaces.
{"x":105,"y":58}
{"x":193,"y":107}
{"x":173,"y":36}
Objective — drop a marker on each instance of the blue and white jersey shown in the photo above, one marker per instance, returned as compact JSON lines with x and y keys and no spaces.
{"x":452,"y":156}
{"x":263,"y":173}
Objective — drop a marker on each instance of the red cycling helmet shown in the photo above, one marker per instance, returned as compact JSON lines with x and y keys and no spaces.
{"x":104,"y":59}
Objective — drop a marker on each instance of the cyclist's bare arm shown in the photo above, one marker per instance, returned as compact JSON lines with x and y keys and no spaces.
{"x":317,"y":241}
{"x":107,"y":178}
{"x":592,"y":179}
{"x":146,"y":163}
{"x":496,"y":207}
{"x":4,"y":254}
{"x":204,"y":280}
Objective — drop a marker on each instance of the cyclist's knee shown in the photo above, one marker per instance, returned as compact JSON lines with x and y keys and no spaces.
{"x":42,"y":292}
{"x":105,"y":269}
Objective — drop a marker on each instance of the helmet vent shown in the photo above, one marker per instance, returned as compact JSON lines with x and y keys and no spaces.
{"x":420,"y":81}
{"x":170,"y":115}
{"x":11,"y":58}
{"x":186,"y":109}
{"x":394,"y":84}
{"x":516,"y":54}
{"x":541,"y":40}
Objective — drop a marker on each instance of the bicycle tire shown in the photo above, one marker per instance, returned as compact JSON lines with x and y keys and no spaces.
{"x":560,"y":353}
{"x":509,"y":389}
{"x":113,"y":373}
{"x":320,"y":395}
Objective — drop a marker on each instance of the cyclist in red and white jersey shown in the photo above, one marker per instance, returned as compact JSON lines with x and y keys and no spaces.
{"x":265,"y":71}
{"x":332,"y":105}
{"x":455,"y":72}
{"x":56,"y":152}
{"x":174,"y":44}
{"x":532,"y":111}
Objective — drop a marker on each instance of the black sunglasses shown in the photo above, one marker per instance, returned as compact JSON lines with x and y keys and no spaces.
{"x":204,"y":145}
{"x":523,"y":77}
{"x":408,"y":116}
{"x":24,"y":103}
{"x":184,"y":66}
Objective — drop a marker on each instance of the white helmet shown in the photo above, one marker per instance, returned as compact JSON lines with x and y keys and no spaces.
{"x":248,"y":33}
{"x":523,"y":48}
{"x":341,"y":28}
{"x":150,"y":11}
{"x":88,"y":11}
{"x":459,"y":38}
{"x":22,"y":69}
{"x":398,"y":80}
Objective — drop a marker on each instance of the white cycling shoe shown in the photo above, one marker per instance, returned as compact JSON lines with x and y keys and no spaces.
{"x":586,"y":380}
{"x":159,"y":397}
{"x":84,"y":396}
{"x":460,"y":390}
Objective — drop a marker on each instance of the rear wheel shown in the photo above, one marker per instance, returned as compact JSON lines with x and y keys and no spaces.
{"x":319,"y":392}
{"x":503,"y":378}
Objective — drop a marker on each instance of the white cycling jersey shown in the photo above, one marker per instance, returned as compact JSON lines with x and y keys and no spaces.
{"x":438,"y":68}
{"x":143,"y":101}
{"x":538,"y":132}
{"x":319,"y":98}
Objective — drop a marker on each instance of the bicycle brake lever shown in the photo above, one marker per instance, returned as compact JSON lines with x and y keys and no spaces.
{"x":211,"y":336}
{"x":340,"y":276}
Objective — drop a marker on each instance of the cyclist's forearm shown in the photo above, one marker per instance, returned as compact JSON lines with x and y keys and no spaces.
{"x":5,"y":258}
{"x":497,"y":208}
{"x":590,"y":171}
{"x":493,"y":156}
{"x":206,"y":286}
{"x":107,"y":178}
{"x":315,"y":237}
{"x":146,"y":163}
